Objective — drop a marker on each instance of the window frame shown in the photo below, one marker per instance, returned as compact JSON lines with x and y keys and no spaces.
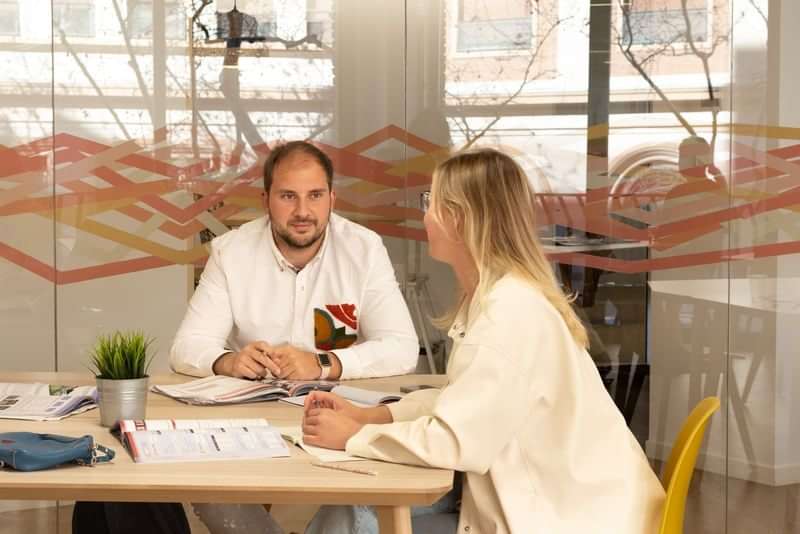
{"x":67,"y":4}
{"x":14,"y":6}
{"x":177,"y":7}
{"x":453,"y":20}
{"x":702,"y":44}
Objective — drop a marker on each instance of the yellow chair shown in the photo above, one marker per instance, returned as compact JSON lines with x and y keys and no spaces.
{"x":680,"y":466}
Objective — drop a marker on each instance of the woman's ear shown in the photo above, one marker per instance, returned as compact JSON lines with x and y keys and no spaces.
{"x":459,"y":225}
{"x":455,"y":226}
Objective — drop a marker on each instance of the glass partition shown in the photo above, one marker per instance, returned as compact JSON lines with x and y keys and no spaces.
{"x":661,"y":137}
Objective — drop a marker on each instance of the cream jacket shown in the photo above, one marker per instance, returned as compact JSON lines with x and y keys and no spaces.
{"x":526,"y":416}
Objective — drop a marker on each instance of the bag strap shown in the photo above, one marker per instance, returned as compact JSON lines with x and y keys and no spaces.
{"x":107,"y":455}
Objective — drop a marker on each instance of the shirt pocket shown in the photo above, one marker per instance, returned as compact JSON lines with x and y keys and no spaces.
{"x":335,"y":326}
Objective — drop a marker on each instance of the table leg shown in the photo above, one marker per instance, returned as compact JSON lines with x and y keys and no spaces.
{"x":394,"y":519}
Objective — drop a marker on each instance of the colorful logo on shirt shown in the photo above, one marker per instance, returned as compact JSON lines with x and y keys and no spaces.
{"x":326,"y":335}
{"x":346,"y":313}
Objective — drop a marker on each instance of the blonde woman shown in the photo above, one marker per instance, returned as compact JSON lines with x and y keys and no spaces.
{"x":524,"y":415}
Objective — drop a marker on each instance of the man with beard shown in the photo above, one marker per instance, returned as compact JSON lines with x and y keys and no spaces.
{"x":300,"y":293}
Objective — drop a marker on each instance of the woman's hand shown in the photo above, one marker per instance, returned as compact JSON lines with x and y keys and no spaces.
{"x":329,"y":420}
{"x":328,"y":427}
{"x":332,"y":401}
{"x":376,"y":415}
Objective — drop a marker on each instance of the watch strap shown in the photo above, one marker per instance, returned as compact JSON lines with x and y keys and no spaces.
{"x":325,"y":370}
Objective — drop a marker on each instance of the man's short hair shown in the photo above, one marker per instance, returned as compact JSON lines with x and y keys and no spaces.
{"x":281,"y":152}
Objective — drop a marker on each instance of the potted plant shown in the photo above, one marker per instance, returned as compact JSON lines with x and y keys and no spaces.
{"x":120,"y":362}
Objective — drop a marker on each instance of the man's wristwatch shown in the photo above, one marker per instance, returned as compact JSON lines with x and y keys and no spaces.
{"x":325,"y":365}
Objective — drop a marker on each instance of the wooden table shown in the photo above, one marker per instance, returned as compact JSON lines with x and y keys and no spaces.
{"x":276,"y":481}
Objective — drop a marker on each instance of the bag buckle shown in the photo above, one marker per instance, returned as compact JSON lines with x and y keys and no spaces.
{"x":92,"y":460}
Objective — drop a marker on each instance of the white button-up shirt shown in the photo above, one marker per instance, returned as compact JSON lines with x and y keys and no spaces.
{"x":345,"y":300}
{"x":526,"y":416}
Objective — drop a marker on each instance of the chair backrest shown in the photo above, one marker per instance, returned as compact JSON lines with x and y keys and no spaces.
{"x":628,"y":387}
{"x":680,"y":465}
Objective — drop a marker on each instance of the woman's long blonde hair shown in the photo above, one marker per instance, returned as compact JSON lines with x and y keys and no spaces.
{"x":493,"y":205}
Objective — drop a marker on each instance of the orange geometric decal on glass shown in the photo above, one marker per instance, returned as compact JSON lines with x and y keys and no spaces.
{"x":95,"y":184}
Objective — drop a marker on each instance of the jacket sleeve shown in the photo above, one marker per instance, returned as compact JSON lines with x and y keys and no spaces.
{"x":414,"y":405}
{"x":495,"y":390}
{"x":202,"y":336}
{"x":388,"y":344}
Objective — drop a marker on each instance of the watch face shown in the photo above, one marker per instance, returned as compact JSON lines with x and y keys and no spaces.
{"x":324,"y":359}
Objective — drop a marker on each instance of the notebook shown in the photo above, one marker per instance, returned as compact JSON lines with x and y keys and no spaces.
{"x":294,"y":435}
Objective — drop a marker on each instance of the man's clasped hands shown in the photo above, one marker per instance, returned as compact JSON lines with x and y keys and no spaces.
{"x":259,"y":360}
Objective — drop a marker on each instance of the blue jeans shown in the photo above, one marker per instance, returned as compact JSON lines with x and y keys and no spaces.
{"x":439,"y":518}
{"x":236,"y":518}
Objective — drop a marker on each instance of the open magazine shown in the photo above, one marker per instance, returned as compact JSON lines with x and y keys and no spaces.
{"x":192,"y":440}
{"x":358,"y":396}
{"x":44,"y":402}
{"x":227,"y":390}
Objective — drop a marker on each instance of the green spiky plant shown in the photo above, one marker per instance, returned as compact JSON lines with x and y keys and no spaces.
{"x":121,"y":356}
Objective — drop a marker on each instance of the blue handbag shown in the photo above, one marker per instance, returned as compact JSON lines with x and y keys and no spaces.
{"x":30,"y":451}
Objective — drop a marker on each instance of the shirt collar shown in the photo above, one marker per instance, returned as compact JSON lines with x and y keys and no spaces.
{"x":283,"y":263}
